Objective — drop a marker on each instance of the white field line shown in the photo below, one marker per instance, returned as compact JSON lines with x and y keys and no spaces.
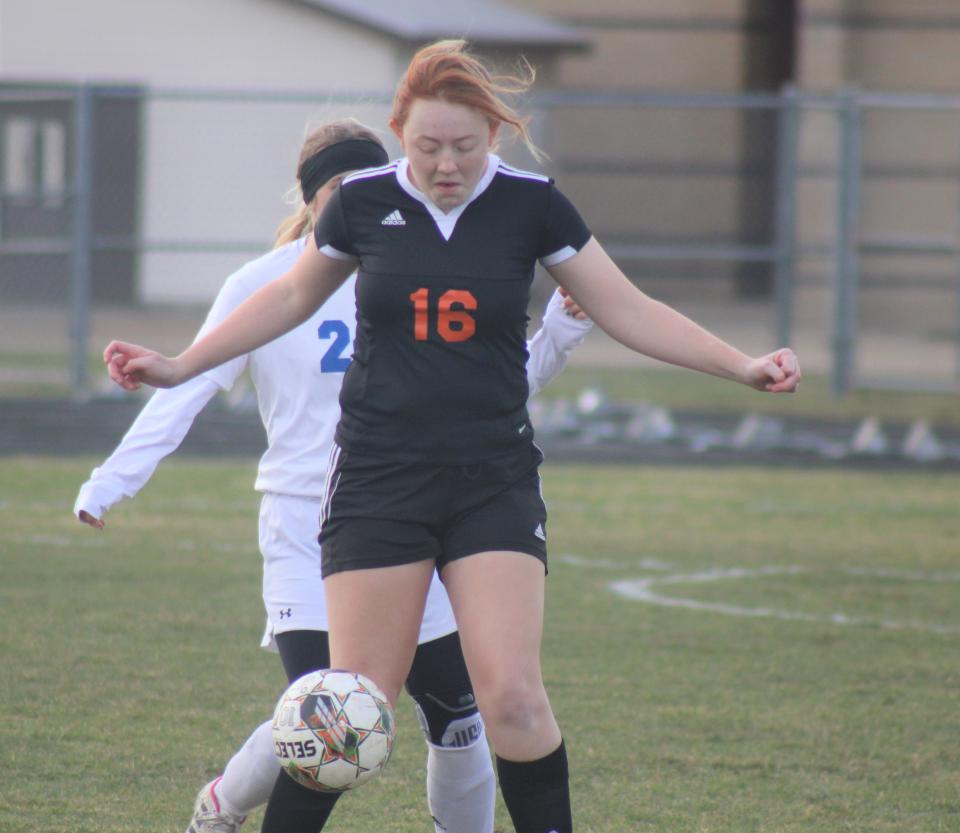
{"x":643,"y":590}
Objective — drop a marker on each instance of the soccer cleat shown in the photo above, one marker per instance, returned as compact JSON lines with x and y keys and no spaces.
{"x":208,"y":817}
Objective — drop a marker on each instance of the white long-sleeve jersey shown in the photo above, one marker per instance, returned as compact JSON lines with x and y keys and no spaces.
{"x":297,"y":379}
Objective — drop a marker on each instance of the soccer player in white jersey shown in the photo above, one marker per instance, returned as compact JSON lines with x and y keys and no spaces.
{"x":441,"y":304}
{"x":297,"y":380}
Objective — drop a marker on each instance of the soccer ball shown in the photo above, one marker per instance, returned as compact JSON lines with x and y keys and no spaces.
{"x":333,"y":730}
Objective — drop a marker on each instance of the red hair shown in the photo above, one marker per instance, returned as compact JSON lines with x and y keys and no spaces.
{"x":446,"y":70}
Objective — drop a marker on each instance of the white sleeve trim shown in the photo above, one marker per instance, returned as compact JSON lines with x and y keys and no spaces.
{"x":157,"y":431}
{"x":336,"y":254}
{"x":558,"y":257}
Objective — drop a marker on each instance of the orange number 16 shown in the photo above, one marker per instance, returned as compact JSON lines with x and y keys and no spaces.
{"x":452,"y":324}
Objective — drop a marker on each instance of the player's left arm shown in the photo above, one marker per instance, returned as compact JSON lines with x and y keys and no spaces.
{"x":564,"y":327}
{"x":656,"y":330}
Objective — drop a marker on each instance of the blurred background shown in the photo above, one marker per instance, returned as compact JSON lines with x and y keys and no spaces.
{"x":784,"y":172}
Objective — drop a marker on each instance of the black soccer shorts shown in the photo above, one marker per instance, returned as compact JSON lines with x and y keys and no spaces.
{"x":383,"y":513}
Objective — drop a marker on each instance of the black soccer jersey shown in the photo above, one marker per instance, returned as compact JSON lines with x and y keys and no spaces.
{"x":439,"y":366}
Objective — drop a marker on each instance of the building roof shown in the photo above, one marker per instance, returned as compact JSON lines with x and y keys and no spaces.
{"x":483,"y":22}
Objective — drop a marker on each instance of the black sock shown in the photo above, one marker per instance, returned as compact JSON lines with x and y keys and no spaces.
{"x":537,"y":793}
{"x":294,"y":808}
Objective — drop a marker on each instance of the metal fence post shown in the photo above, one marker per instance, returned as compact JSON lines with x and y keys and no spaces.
{"x":847,"y":245}
{"x":788,"y":124}
{"x":956,"y":331}
{"x":956,"y":314}
{"x":81,"y":258}
{"x":3,"y":173}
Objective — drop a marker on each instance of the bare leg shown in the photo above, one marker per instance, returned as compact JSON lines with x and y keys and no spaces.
{"x":498,"y":601}
{"x":375,"y":621}
{"x":374,"y":625}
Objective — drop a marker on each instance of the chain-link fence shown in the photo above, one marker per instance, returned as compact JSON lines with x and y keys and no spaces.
{"x":825,"y":221}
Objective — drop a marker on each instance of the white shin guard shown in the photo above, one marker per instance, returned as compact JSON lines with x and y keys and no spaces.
{"x":461,"y":787}
{"x":250,"y":775}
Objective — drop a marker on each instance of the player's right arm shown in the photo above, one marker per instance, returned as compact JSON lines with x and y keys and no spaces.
{"x":269,"y":313}
{"x":165,"y":420}
{"x":157,"y":431}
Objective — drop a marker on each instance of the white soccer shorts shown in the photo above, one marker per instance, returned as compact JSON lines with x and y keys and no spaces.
{"x":292,"y":585}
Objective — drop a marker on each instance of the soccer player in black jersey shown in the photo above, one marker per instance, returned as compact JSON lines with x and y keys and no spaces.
{"x":435,"y":466}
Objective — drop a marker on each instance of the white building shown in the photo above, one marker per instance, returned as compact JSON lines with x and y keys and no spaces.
{"x":200,"y":110}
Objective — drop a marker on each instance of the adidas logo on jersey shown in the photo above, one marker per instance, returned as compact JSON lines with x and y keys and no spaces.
{"x":394,"y":218}
{"x":540,"y":533}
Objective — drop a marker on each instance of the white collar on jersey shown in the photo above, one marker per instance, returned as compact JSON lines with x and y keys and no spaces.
{"x":446,"y":223}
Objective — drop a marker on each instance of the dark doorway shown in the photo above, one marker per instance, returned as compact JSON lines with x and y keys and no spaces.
{"x":36,"y":178}
{"x":769,"y":66}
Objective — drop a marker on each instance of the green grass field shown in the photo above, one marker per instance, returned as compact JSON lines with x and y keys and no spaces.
{"x":817,"y":691}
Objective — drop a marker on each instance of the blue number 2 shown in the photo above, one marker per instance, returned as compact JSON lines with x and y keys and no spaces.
{"x":333,"y":360}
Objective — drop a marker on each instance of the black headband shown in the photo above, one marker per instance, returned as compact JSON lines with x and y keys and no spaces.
{"x":348,"y":155}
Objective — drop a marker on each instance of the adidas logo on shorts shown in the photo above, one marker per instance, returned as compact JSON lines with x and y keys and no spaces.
{"x":394,"y":218}
{"x":540,"y":533}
